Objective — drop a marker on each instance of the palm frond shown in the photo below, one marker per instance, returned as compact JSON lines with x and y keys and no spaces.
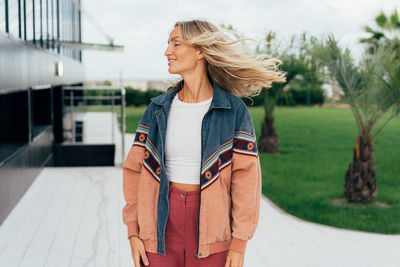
{"x":342,"y":66}
{"x":381,"y":73}
{"x":394,"y":20}
{"x":381,"y":20}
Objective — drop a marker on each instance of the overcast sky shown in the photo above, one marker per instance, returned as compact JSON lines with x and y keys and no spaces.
{"x":143,"y":27}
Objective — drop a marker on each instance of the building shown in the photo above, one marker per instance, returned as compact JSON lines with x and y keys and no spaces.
{"x":143,"y":85}
{"x":40,"y":52}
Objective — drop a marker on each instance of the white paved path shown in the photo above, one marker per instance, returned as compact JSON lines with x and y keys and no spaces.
{"x":72,"y":217}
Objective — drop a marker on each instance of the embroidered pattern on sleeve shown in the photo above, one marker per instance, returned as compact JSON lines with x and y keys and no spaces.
{"x":245,"y":143}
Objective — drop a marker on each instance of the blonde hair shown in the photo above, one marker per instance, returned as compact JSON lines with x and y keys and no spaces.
{"x":234,"y":67}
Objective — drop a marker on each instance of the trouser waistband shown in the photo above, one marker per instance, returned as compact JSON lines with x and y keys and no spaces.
{"x":189,"y":195}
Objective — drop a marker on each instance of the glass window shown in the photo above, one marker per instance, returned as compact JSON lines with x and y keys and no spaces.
{"x":13,"y":17}
{"x":29,"y":20}
{"x":2,"y":16}
{"x":37,"y":19}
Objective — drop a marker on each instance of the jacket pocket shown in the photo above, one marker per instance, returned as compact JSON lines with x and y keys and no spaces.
{"x":217,"y":212}
{"x":147,"y":196}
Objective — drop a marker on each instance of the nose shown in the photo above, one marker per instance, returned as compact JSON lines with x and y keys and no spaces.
{"x":167,"y":51}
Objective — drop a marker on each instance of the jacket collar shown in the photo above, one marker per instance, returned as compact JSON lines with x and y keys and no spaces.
{"x":220,"y":98}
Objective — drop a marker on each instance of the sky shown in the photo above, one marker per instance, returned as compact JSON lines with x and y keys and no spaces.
{"x":143,"y":27}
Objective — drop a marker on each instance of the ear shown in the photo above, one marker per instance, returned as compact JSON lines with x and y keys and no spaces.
{"x":200,"y":54}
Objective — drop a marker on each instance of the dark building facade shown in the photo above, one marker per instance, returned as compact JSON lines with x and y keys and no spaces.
{"x":35,"y":63}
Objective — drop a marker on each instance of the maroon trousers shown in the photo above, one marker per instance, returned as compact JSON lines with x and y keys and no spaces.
{"x":181,"y":234}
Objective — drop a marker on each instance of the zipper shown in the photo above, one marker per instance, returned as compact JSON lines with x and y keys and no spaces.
{"x":196,"y":256}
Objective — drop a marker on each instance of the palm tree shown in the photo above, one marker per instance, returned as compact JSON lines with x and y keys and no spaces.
{"x":269,"y":141}
{"x":388,"y":28}
{"x":372,"y":89}
{"x":296,"y":60}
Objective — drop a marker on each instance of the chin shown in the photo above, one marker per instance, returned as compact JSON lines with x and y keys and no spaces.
{"x":173,"y":71}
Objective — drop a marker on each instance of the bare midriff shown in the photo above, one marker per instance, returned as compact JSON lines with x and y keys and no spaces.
{"x":186,"y":187}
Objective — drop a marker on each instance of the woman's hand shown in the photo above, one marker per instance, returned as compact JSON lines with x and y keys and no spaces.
{"x":234,"y":259}
{"x":137,"y":249}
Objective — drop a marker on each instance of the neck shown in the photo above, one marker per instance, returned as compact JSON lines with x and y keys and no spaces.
{"x":195,"y":89}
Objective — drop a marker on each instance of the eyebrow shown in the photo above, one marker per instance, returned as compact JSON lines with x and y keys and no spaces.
{"x":173,"y":38}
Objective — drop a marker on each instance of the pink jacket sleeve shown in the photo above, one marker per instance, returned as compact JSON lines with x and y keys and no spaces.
{"x":245,"y":184}
{"x":131,"y":173}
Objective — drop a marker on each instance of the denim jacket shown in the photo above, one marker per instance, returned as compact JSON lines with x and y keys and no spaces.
{"x":230,"y":176}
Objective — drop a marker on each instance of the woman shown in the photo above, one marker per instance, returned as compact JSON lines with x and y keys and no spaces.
{"x":199,"y":126}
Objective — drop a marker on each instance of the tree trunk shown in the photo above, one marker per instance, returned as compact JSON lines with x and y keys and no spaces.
{"x":268,"y":142}
{"x":360,"y":185}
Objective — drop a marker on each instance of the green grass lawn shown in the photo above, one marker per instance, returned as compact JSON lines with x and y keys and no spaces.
{"x":308,"y":174}
{"x":315,"y":149}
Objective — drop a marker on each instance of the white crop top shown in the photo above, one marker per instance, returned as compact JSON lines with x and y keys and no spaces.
{"x":182,"y":140}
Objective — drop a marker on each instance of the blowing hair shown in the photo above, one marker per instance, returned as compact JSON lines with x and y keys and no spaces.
{"x":229,"y":63}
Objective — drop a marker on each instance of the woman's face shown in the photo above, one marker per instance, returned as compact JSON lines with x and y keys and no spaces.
{"x":181,"y":57}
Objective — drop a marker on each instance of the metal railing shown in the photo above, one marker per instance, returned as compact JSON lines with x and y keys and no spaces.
{"x":73,"y":109}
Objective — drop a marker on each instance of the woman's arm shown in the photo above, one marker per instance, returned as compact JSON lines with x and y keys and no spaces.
{"x":245,"y":183}
{"x":132,"y":168}
{"x":131,"y":173}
